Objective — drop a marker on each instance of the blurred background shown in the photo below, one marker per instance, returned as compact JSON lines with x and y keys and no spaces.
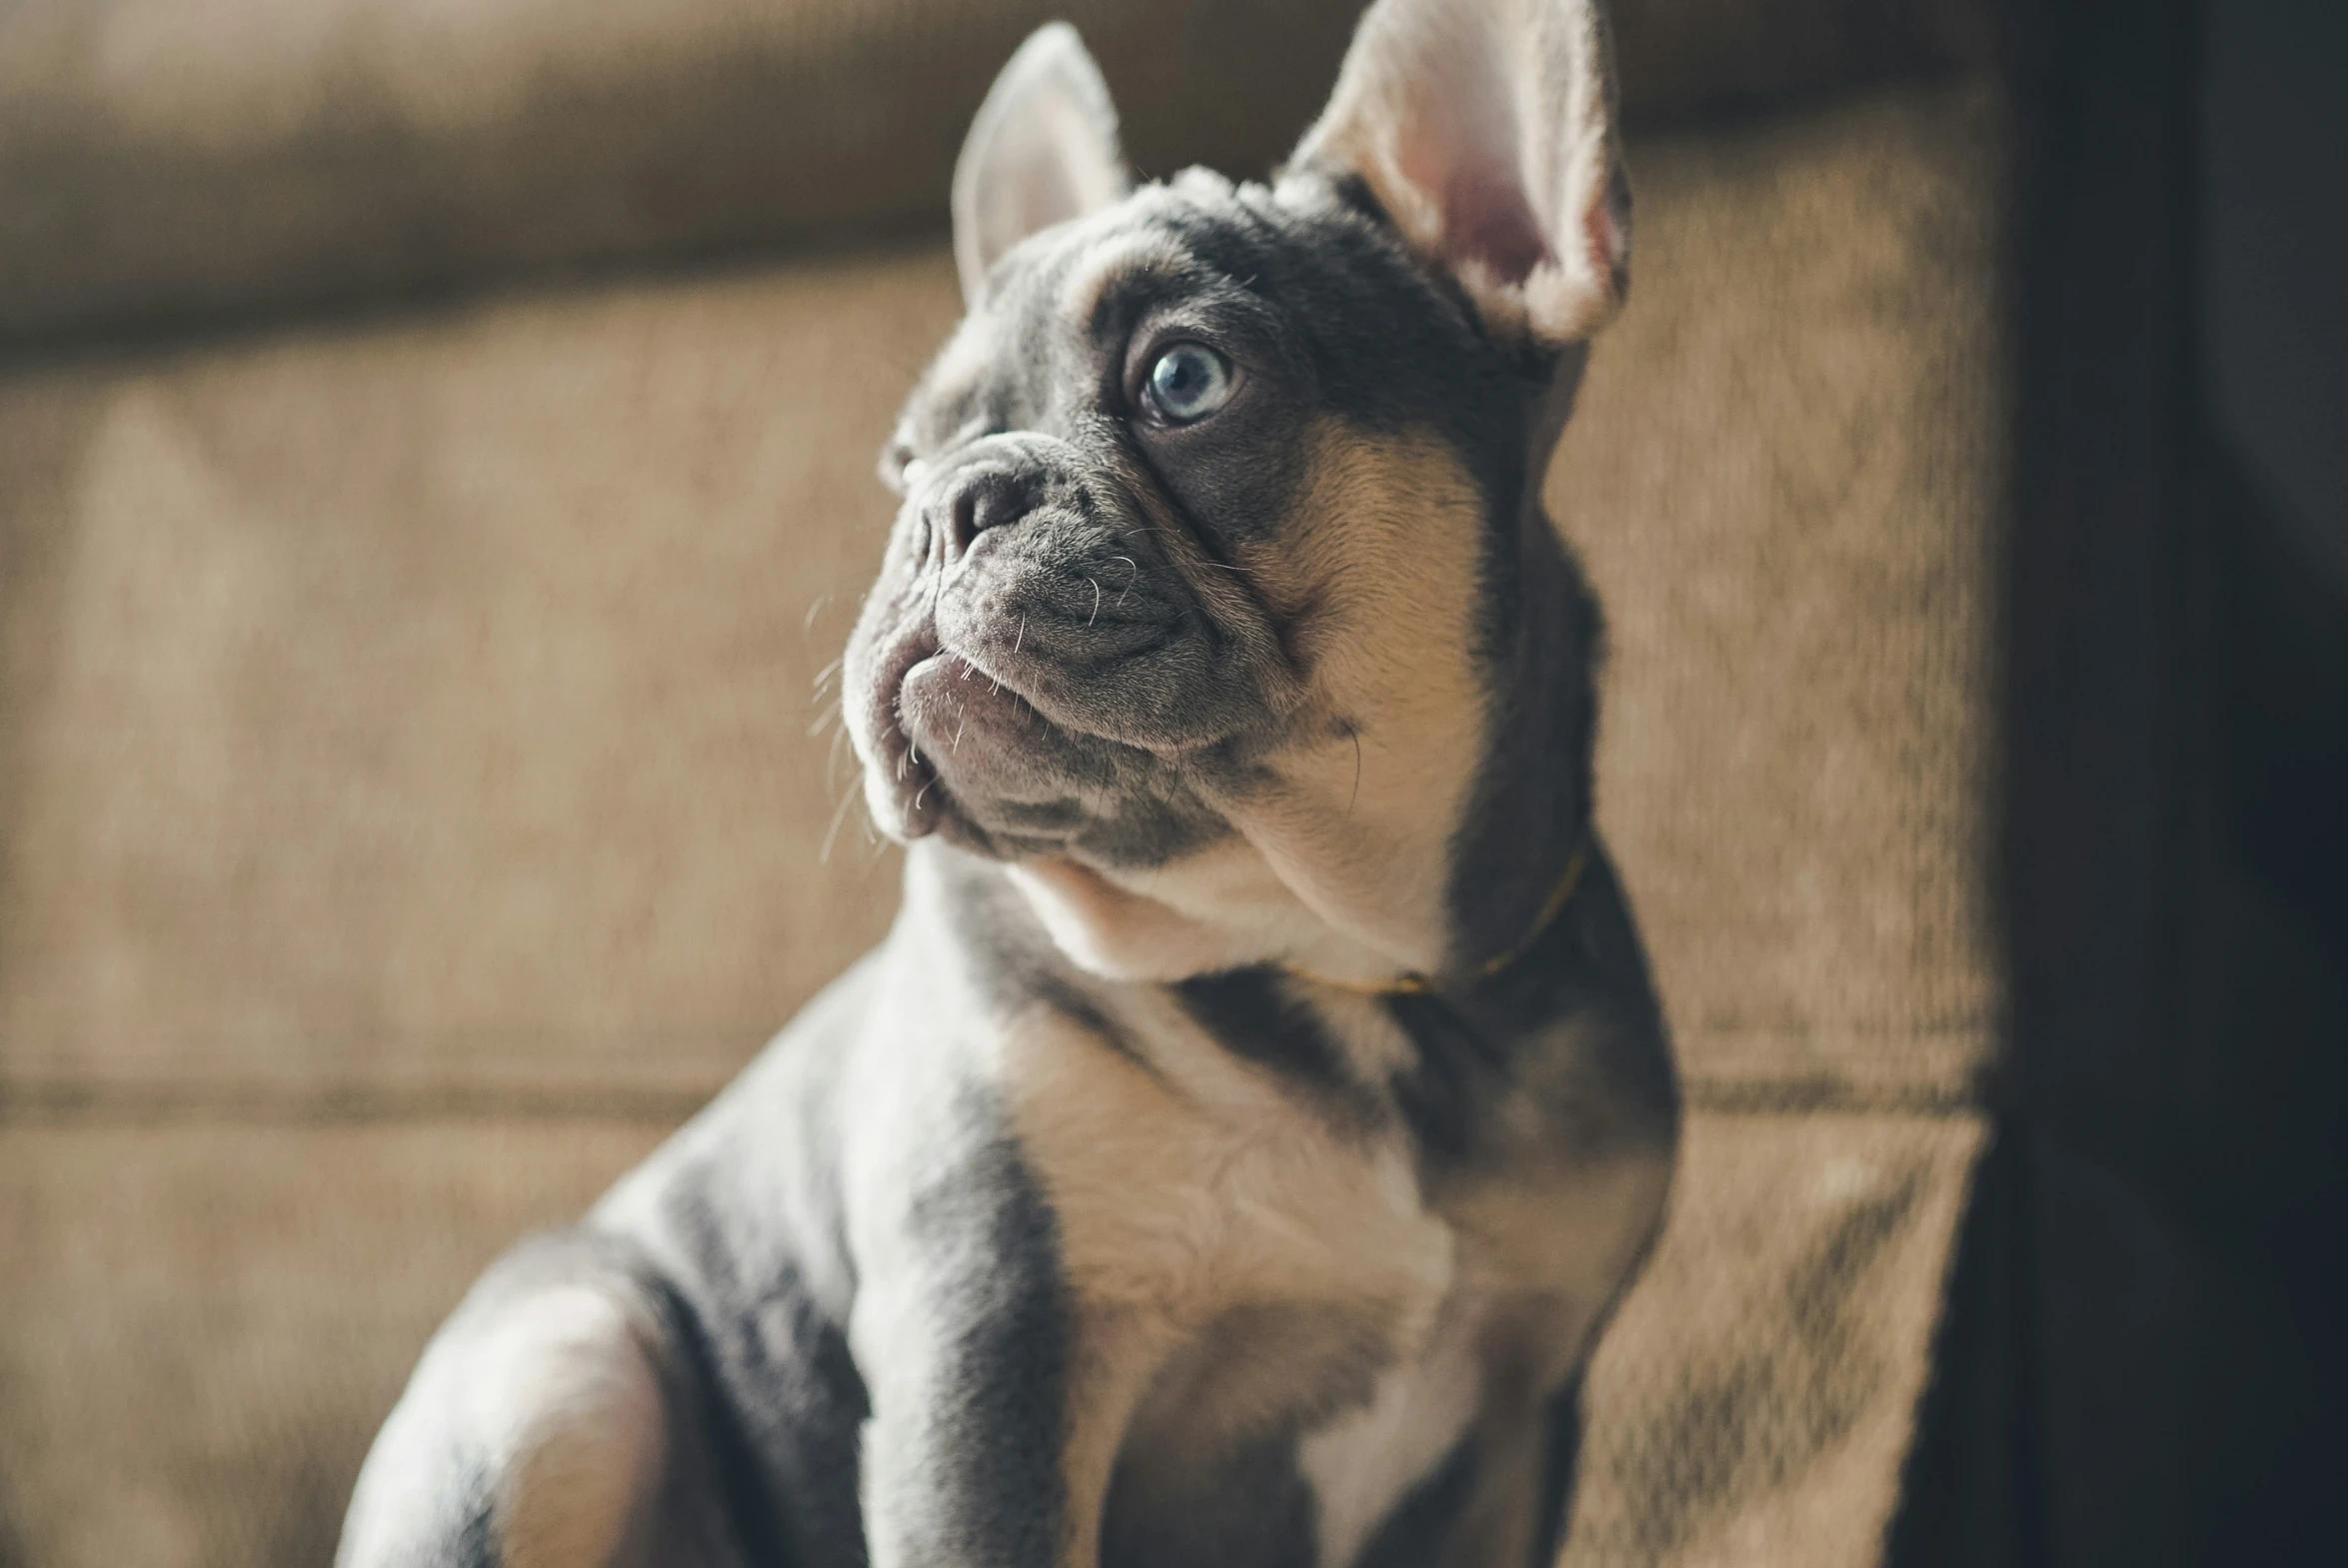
{"x":435,"y":455}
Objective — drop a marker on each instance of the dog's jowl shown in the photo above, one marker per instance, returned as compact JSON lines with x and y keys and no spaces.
{"x":1233,"y":1152}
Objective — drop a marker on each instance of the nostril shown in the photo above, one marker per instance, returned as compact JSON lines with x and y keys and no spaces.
{"x":966,"y":519}
{"x":996,"y":501}
{"x":987,"y":501}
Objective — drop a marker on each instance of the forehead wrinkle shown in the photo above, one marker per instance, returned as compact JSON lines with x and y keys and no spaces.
{"x":1097,"y":290}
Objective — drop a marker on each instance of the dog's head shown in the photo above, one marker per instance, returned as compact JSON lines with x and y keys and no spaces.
{"x":1221,"y":603}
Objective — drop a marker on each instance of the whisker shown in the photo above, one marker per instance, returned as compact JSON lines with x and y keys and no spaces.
{"x":831,"y":833}
{"x":1021,"y":641}
{"x":1095,"y":603}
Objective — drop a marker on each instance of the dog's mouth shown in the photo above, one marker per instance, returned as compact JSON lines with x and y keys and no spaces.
{"x":963,"y":752}
{"x":978,"y":747}
{"x":948,"y":700}
{"x":905,"y":776}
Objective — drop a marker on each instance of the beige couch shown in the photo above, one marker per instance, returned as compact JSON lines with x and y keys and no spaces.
{"x":434,"y":468}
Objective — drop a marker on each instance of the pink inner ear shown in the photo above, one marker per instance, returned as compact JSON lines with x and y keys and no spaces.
{"x":1463,"y":147}
{"x":1486,"y":219}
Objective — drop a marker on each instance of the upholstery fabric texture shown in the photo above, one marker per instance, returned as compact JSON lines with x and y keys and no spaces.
{"x":160,"y":158}
{"x":415,"y":782}
{"x":1795,"y":762}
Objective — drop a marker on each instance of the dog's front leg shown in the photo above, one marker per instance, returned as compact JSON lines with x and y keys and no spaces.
{"x":997,"y":1409}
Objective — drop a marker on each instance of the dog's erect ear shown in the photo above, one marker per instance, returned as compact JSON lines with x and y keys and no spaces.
{"x":1042,"y":150}
{"x":1486,"y":127}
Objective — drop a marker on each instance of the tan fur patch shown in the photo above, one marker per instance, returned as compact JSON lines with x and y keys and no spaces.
{"x":1184,"y":1194}
{"x":582,"y":1476}
{"x":1377,"y":575}
{"x":559,"y":1391}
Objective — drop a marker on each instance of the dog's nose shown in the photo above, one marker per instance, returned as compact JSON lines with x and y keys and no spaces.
{"x":972,"y":503}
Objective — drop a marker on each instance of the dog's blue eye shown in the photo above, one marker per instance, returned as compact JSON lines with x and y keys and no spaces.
{"x":1189,"y":382}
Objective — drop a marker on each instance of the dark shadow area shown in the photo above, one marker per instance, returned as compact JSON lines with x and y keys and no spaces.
{"x":2143,"y":1357}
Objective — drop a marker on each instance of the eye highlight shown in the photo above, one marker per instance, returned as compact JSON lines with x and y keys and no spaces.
{"x":1187,"y":383}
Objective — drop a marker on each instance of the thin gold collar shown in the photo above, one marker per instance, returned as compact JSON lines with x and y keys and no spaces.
{"x":1413,"y":985}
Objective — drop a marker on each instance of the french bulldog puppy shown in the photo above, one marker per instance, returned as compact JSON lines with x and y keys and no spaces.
{"x":1234,"y":1151}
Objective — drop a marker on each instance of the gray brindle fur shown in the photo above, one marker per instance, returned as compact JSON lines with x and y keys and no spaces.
{"x":1227,"y":1160}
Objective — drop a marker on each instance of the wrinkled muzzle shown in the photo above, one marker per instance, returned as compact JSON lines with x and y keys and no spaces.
{"x":1036,"y":668}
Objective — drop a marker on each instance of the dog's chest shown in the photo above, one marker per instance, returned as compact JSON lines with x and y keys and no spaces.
{"x":1187,"y":1181}
{"x":1325,"y":1315}
{"x":1188,"y":1185}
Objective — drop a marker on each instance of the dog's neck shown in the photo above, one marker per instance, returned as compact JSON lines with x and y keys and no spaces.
{"x":1531,"y":812}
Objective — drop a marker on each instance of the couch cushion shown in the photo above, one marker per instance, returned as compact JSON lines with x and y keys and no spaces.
{"x":1785,"y":478}
{"x":429,"y":710}
{"x":158,"y":157}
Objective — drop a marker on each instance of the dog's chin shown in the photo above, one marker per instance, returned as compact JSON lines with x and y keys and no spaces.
{"x":959,"y":753}
{"x":976,"y":770}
